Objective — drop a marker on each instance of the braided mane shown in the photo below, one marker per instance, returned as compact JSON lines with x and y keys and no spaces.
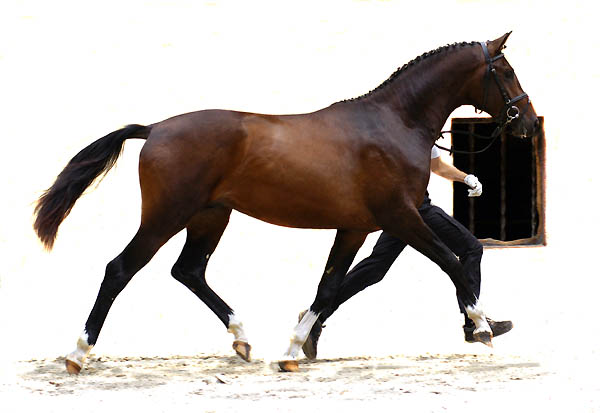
{"x":410,"y":64}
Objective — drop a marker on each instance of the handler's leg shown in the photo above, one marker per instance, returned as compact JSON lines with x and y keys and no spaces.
{"x":369,"y":271}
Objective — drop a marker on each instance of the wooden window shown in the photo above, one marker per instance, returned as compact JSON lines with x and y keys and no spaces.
{"x":511,"y":211}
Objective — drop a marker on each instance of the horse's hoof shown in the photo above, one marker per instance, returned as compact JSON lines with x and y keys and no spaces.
{"x":484,"y":337}
{"x":72,"y":367}
{"x":289,"y":365}
{"x":242,"y":349}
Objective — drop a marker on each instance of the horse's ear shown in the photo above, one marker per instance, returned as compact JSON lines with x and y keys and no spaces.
{"x":496,"y":46}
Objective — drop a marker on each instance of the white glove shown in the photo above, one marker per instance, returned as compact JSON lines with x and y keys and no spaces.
{"x":476,"y":187}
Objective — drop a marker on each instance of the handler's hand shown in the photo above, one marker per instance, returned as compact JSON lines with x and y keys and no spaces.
{"x":476,"y":187}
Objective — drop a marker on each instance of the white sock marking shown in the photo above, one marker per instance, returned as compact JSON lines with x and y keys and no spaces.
{"x":476,"y":314}
{"x":83,"y":349}
{"x":236,"y":328}
{"x":300,"y":334}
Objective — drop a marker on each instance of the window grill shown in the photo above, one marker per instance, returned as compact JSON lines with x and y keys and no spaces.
{"x":511,"y":211}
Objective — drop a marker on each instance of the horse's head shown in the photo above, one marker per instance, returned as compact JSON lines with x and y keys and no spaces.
{"x":497,"y":91}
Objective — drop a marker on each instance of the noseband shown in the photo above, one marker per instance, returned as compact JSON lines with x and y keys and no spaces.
{"x":508,"y":113}
{"x":512,"y":111}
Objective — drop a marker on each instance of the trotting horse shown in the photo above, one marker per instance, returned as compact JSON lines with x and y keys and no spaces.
{"x":357,"y":166}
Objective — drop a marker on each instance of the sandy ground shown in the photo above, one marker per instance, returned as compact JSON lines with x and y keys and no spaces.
{"x":431,"y":382}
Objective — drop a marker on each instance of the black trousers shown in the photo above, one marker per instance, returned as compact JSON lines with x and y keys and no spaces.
{"x":373,"y":268}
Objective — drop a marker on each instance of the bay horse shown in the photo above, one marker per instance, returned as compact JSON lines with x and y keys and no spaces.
{"x":358,"y":166}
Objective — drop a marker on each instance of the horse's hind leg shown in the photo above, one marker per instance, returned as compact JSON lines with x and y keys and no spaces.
{"x":342,"y":254}
{"x":204,"y":231}
{"x":118,"y":273}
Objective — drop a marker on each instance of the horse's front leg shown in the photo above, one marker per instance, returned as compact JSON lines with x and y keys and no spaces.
{"x":342,"y":254}
{"x":409,"y":227}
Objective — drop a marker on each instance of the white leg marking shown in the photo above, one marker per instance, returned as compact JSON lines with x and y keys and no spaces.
{"x":236,"y":328}
{"x":476,"y":314}
{"x":82,"y":351}
{"x":300,"y":334}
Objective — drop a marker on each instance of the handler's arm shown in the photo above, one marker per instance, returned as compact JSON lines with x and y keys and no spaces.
{"x":452,"y":173}
{"x":447,"y":171}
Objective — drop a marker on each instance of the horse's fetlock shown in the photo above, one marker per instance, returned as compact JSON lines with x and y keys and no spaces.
{"x":323,"y":300}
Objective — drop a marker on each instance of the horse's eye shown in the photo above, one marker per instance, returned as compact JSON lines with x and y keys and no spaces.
{"x":509,"y":74}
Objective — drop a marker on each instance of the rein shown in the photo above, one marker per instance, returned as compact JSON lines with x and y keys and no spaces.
{"x":512,"y":112}
{"x":497,"y":132}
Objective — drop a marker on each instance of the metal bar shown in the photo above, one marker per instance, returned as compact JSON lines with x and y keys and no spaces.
{"x":471,"y":170}
{"x":533,"y":185}
{"x":503,"y":187}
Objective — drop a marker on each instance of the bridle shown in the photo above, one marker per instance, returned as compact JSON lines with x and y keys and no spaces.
{"x":509,"y":104}
{"x":508,"y":113}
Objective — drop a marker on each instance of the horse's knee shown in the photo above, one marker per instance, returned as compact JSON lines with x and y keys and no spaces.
{"x":186,"y":276}
{"x":180,"y":274}
{"x":114,"y":267}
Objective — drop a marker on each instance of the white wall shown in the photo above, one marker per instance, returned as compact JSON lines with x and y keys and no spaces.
{"x":71,"y":72}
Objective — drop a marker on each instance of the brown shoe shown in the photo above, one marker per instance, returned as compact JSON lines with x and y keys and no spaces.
{"x":310,"y":345}
{"x":498,"y":328}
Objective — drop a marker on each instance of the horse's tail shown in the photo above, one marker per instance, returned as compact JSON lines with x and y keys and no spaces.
{"x":90,"y":163}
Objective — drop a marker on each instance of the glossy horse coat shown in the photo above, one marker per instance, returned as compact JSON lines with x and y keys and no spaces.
{"x":356,"y":166}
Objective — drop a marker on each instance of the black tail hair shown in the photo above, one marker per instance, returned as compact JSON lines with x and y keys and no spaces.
{"x":90,"y":163}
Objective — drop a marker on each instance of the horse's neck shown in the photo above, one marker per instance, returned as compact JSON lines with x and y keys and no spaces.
{"x":427,"y":93}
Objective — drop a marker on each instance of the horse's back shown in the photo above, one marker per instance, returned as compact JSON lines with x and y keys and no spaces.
{"x":299,"y":171}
